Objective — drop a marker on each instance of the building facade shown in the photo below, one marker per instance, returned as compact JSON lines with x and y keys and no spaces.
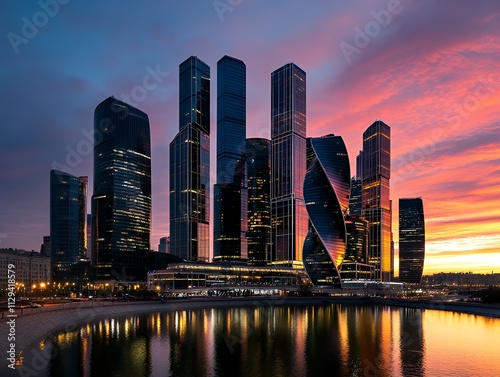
{"x":45,"y":246}
{"x":190,"y":165}
{"x":357,"y":239}
{"x":288,"y":164}
{"x":121,"y":202}
{"x":89,"y":236}
{"x":376,"y":173}
{"x":230,"y":191}
{"x":194,"y":93}
{"x":411,"y":240}
{"x":164,"y":245}
{"x":68,"y":223}
{"x":326,"y":195}
{"x":32,"y":269}
{"x":355,"y":199}
{"x":258,"y":165}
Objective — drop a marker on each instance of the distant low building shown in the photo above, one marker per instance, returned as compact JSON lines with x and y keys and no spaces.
{"x":30,"y":268}
{"x":199,"y":275}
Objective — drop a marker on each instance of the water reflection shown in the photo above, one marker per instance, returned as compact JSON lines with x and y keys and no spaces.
{"x":344,"y":340}
{"x":412,"y":343}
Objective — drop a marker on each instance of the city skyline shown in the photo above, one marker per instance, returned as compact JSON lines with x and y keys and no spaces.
{"x":436,"y":85}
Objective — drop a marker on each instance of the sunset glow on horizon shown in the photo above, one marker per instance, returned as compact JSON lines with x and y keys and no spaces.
{"x":430,"y":70}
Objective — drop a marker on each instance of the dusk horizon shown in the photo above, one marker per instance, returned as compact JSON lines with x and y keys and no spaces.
{"x":428,"y":70}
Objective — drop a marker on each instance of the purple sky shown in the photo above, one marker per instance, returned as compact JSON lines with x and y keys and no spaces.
{"x":428,"y":69}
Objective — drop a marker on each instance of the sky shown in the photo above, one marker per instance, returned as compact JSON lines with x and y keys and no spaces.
{"x":430,"y":70}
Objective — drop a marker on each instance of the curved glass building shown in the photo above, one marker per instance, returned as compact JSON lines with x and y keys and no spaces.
{"x":326,"y":194}
{"x":121,"y":202}
{"x":411,"y":240}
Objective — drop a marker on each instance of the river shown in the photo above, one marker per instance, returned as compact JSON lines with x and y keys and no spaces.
{"x":331,"y":339}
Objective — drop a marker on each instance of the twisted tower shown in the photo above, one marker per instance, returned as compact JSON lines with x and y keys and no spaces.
{"x":326,"y":194}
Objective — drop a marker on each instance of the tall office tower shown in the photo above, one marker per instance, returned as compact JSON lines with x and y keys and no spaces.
{"x":357,"y":239}
{"x":326,"y":195}
{"x":376,"y":165}
{"x":190,"y":165}
{"x":164,"y":245}
{"x":288,"y":164}
{"x":258,"y":165}
{"x":194,"y":94}
{"x":392,"y":248}
{"x":45,"y":246}
{"x":230,"y":192}
{"x":68,"y":208}
{"x":411,"y":240}
{"x":89,"y":236}
{"x":359,"y":166}
{"x":355,"y":198}
{"x":121,"y":202}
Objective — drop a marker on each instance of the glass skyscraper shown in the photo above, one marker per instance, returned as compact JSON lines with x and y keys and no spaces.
{"x":326,"y":195}
{"x":357,"y":239}
{"x":121,"y":202}
{"x":376,"y":207}
{"x":288,"y":164}
{"x":68,"y":215}
{"x":355,"y":199}
{"x":230,"y":192}
{"x":258,"y":164}
{"x":194,"y":94}
{"x":190,"y":165}
{"x":411,"y":240}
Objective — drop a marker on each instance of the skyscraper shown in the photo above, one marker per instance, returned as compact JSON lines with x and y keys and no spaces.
{"x":288,"y":164}
{"x":45,"y":246}
{"x":68,"y":208}
{"x":376,"y":166}
{"x":121,"y":202}
{"x":194,"y":94}
{"x":164,"y":245}
{"x":258,"y":164}
{"x":411,"y":240}
{"x":89,"y":236}
{"x":230,"y":192}
{"x":190,"y":165}
{"x":357,"y":239}
{"x":356,"y":198}
{"x":326,"y":195}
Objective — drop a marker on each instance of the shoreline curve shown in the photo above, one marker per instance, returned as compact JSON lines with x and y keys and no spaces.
{"x":41,"y":324}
